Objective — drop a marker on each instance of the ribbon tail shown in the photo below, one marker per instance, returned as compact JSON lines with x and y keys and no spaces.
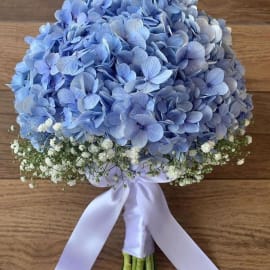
{"x":172,"y":239}
{"x":92,"y":230}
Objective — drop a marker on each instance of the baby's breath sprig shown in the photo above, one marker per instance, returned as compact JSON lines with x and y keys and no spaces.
{"x":68,"y":161}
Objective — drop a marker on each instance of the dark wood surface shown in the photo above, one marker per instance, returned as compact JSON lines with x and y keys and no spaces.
{"x":227,"y":215}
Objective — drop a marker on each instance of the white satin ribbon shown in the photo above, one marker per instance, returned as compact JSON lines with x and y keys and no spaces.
{"x":147,"y":217}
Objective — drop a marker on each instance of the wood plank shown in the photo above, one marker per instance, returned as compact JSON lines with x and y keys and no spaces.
{"x":251,"y":42}
{"x":241,"y":11}
{"x":228,"y":219}
{"x":257,"y":165}
{"x":22,"y":10}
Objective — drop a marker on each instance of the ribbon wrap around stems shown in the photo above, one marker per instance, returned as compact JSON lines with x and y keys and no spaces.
{"x":147,"y":217}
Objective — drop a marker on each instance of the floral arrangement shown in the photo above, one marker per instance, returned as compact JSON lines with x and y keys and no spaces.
{"x":126,"y":94}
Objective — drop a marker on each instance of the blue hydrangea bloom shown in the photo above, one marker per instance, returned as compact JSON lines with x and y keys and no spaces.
{"x":155,"y":74}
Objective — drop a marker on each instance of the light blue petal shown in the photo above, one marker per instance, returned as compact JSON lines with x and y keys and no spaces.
{"x":207,"y":113}
{"x":215,"y":76}
{"x":151,"y":67}
{"x":147,"y":87}
{"x":221,"y":131}
{"x":154,"y":132}
{"x":162,"y":77}
{"x":91,"y":101}
{"x":68,"y":65}
{"x":195,"y":50}
{"x":65,"y":96}
{"x":194,"y":117}
{"x":191,"y":128}
{"x":140,"y":140}
{"x":136,"y":39}
{"x":220,"y":89}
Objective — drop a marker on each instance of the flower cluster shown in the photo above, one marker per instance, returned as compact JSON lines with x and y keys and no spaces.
{"x":158,"y":76}
{"x":67,"y":161}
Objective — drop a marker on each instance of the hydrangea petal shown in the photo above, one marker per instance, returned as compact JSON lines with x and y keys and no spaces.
{"x":162,"y":77}
{"x":154,"y":132}
{"x":140,"y":140}
{"x":220,"y":89}
{"x":194,"y":117}
{"x":195,"y":50}
{"x":91,"y":101}
{"x":65,"y":96}
{"x":151,"y":67}
{"x":221,"y":131}
{"x":215,"y":76}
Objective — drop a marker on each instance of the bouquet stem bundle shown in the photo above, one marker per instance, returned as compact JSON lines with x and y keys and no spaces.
{"x":134,"y":263}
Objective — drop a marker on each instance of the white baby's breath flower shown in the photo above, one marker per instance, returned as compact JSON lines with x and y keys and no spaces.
{"x":93,"y":149}
{"x":48,"y":123}
{"x":172,"y":173}
{"x":81,"y":172}
{"x":71,"y":183}
{"x":81,"y":147}
{"x":73,"y":151}
{"x":107,"y":144}
{"x":58,"y":147}
{"x":110,"y":153}
{"x":23,"y":179}
{"x":31,"y":166}
{"x":242,"y":132}
{"x":231,"y":138}
{"x":86,"y":155}
{"x":218,"y":156}
{"x":79,"y":162}
{"x":15,"y":146}
{"x":43,"y":168}
{"x":31,"y":185}
{"x":247,"y":122}
{"x":240,"y":162}
{"x":42,"y":128}
{"x":91,"y":139}
{"x":57,"y":126}
{"x":48,"y":162}
{"x":52,"y":142}
{"x":56,"y":178}
{"x":45,"y":126}
{"x":249,"y":139}
{"x":208,"y":146}
{"x":51,"y":152}
{"x":198,"y":177}
{"x":102,"y":157}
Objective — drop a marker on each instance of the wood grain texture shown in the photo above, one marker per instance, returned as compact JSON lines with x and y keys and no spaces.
{"x":240,"y":11}
{"x":219,"y":215}
{"x":251,"y":42}
{"x":227,"y":215}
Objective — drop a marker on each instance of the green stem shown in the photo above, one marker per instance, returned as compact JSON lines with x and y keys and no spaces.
{"x":134,"y":263}
{"x":148,"y":263}
{"x":140,"y":264}
{"x":127,"y":262}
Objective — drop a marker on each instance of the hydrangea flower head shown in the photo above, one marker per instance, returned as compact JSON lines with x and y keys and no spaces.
{"x":158,"y":75}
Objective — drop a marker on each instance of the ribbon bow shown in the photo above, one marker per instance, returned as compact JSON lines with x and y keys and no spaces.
{"x":147,"y":218}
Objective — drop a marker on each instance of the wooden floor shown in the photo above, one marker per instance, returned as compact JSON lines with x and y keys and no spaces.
{"x":228,"y":214}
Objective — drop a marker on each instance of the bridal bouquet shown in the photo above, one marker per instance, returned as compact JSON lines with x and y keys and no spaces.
{"x":129,"y":94}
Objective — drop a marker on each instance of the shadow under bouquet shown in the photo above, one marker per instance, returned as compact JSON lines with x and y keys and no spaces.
{"x":128,"y":95}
